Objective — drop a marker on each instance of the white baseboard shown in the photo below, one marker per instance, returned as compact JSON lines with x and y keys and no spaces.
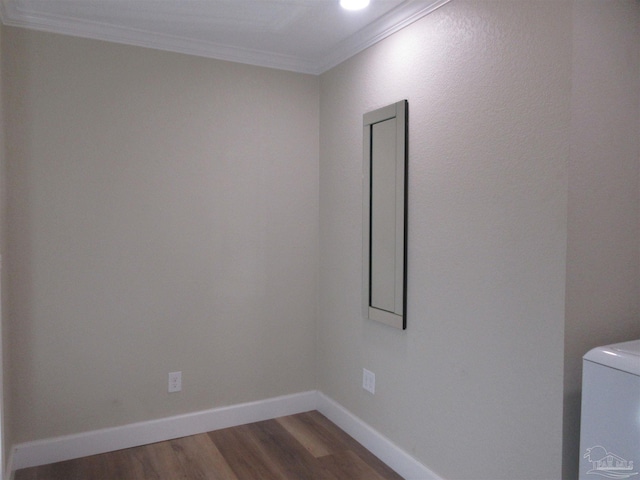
{"x":43,"y":452}
{"x":10,"y":472}
{"x":404,"y":464}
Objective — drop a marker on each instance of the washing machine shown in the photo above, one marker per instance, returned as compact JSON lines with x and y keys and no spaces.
{"x":610,"y":417}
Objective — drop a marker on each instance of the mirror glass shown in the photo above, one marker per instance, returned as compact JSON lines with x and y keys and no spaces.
{"x":384,"y":217}
{"x":383,"y":213}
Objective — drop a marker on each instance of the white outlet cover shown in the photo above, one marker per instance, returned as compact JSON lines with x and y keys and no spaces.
{"x":368,"y":381}
{"x":175,"y":381}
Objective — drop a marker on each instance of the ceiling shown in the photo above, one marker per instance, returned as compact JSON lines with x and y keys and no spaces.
{"x":308,"y":36}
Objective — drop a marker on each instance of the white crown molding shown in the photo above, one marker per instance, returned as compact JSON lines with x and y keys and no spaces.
{"x":374,"y":33}
{"x":378,"y":30}
{"x":140,"y":38}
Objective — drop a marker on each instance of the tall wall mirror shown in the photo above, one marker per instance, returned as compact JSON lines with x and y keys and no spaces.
{"x":384,"y":241}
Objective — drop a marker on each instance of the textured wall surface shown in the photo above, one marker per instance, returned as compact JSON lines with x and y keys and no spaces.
{"x":164,"y":216}
{"x":603,"y":262}
{"x":473,"y":388}
{"x":6,"y":439}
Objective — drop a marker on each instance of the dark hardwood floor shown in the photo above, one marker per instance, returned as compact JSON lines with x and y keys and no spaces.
{"x":306,"y":446}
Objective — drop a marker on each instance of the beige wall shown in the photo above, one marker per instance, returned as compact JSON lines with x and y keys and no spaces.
{"x":524,"y":182}
{"x":5,"y":433}
{"x":473,"y":388}
{"x":163,"y":216}
{"x":603,"y":264}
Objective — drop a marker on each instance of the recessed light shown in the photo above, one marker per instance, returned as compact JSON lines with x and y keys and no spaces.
{"x":354,"y":4}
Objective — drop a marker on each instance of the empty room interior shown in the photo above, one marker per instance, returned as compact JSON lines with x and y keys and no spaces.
{"x":162,"y":211}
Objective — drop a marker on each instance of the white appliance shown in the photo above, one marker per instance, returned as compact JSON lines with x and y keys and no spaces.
{"x":610,"y":423}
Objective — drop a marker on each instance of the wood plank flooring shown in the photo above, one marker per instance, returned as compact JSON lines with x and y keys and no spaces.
{"x":306,"y":446}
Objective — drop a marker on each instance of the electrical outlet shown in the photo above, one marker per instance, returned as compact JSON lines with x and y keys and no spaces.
{"x":368,"y":381}
{"x":175,"y":381}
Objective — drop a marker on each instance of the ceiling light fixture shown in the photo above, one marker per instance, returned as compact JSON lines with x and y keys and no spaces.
{"x":354,"y":4}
